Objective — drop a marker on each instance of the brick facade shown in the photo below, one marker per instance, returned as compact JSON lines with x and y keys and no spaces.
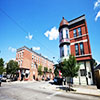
{"x":73,"y":37}
{"x":29,"y":61}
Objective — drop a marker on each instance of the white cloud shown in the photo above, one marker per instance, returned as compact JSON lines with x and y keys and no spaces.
{"x":36,"y":48}
{"x":97,"y":3}
{"x":97,"y":16}
{"x":29,"y":36}
{"x":52,"y":34}
{"x":12,"y":49}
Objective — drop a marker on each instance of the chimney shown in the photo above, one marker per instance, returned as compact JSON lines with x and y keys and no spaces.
{"x":31,"y":49}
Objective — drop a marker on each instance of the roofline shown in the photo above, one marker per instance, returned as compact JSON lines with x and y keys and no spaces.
{"x":76,"y":18}
{"x":82,"y":17}
{"x":24,"y":47}
{"x":73,"y":21}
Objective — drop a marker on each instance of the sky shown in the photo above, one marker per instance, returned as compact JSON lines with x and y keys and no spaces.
{"x":35,"y":23}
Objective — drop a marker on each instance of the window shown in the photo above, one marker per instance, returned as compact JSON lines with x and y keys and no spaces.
{"x":22,"y":53}
{"x":39,"y":60}
{"x":82,"y":72}
{"x":21,"y":62}
{"x":32,"y":56}
{"x":34,"y":65}
{"x":18,"y":62}
{"x":62,"y":51}
{"x":79,"y":31}
{"x":35,"y":58}
{"x":68,"y":50}
{"x":67,"y":34}
{"x":61,"y":35}
{"x":75,"y":34}
{"x":81,"y":49}
{"x":76,"y":49}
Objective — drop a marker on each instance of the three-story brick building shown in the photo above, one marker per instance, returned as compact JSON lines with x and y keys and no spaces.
{"x":29,"y":61}
{"x":74,"y":39}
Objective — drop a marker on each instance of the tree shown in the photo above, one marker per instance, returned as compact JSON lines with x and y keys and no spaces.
{"x":12,"y":68}
{"x":50,"y":70}
{"x":69,"y":68}
{"x":56,"y":70}
{"x":94,"y":63}
{"x":2,"y":69}
{"x":45,"y":69}
{"x":40,"y":70}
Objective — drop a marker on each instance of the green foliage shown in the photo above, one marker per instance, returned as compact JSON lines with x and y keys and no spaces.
{"x":12,"y":67}
{"x":69,"y":68}
{"x":94,"y":63}
{"x":45,"y":69}
{"x":56,"y":71}
{"x":1,"y":66}
{"x":50,"y":70}
{"x":40,"y":70}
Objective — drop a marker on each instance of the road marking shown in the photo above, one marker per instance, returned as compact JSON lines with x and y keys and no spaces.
{"x":50,"y":96}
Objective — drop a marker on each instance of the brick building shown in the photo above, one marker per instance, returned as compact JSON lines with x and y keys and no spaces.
{"x":74,"y":39}
{"x":29,"y":61}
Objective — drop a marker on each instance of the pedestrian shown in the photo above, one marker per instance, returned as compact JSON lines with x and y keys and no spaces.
{"x":64,"y":81}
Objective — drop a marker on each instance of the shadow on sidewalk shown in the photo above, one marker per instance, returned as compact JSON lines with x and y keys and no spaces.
{"x":64,"y":88}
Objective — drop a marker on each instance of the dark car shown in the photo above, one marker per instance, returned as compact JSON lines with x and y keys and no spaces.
{"x":3,"y":79}
{"x":58,"y":80}
{"x":47,"y":79}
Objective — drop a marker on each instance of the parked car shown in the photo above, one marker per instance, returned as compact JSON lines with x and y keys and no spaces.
{"x":47,"y":79}
{"x":3,"y":79}
{"x":58,"y":80}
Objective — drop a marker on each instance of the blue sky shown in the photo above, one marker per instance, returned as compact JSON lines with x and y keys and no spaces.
{"x":34,"y":23}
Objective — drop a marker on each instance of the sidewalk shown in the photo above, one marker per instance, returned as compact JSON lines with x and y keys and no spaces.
{"x":87,"y":90}
{"x":80,"y":89}
{"x":83,"y":90}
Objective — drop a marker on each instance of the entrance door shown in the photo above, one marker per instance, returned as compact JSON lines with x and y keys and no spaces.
{"x":34,"y":77}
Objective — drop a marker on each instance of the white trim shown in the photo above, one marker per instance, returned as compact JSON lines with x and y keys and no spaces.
{"x":79,"y":42}
{"x":78,"y":36}
{"x":83,"y":55}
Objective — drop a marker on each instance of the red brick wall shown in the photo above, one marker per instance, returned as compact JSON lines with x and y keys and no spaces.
{"x":27,"y":63}
{"x":87,"y":49}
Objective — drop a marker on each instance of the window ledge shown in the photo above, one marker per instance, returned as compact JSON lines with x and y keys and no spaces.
{"x":83,"y":55}
{"x":78,"y":36}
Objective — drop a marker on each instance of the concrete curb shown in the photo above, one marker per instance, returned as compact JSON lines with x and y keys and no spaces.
{"x":86,"y":94}
{"x":75,"y":92}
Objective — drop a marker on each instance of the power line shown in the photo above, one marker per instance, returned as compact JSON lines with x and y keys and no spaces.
{"x":15,"y":22}
{"x":44,"y":46}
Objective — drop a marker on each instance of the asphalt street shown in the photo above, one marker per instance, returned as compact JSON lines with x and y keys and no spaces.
{"x":37,"y":91}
